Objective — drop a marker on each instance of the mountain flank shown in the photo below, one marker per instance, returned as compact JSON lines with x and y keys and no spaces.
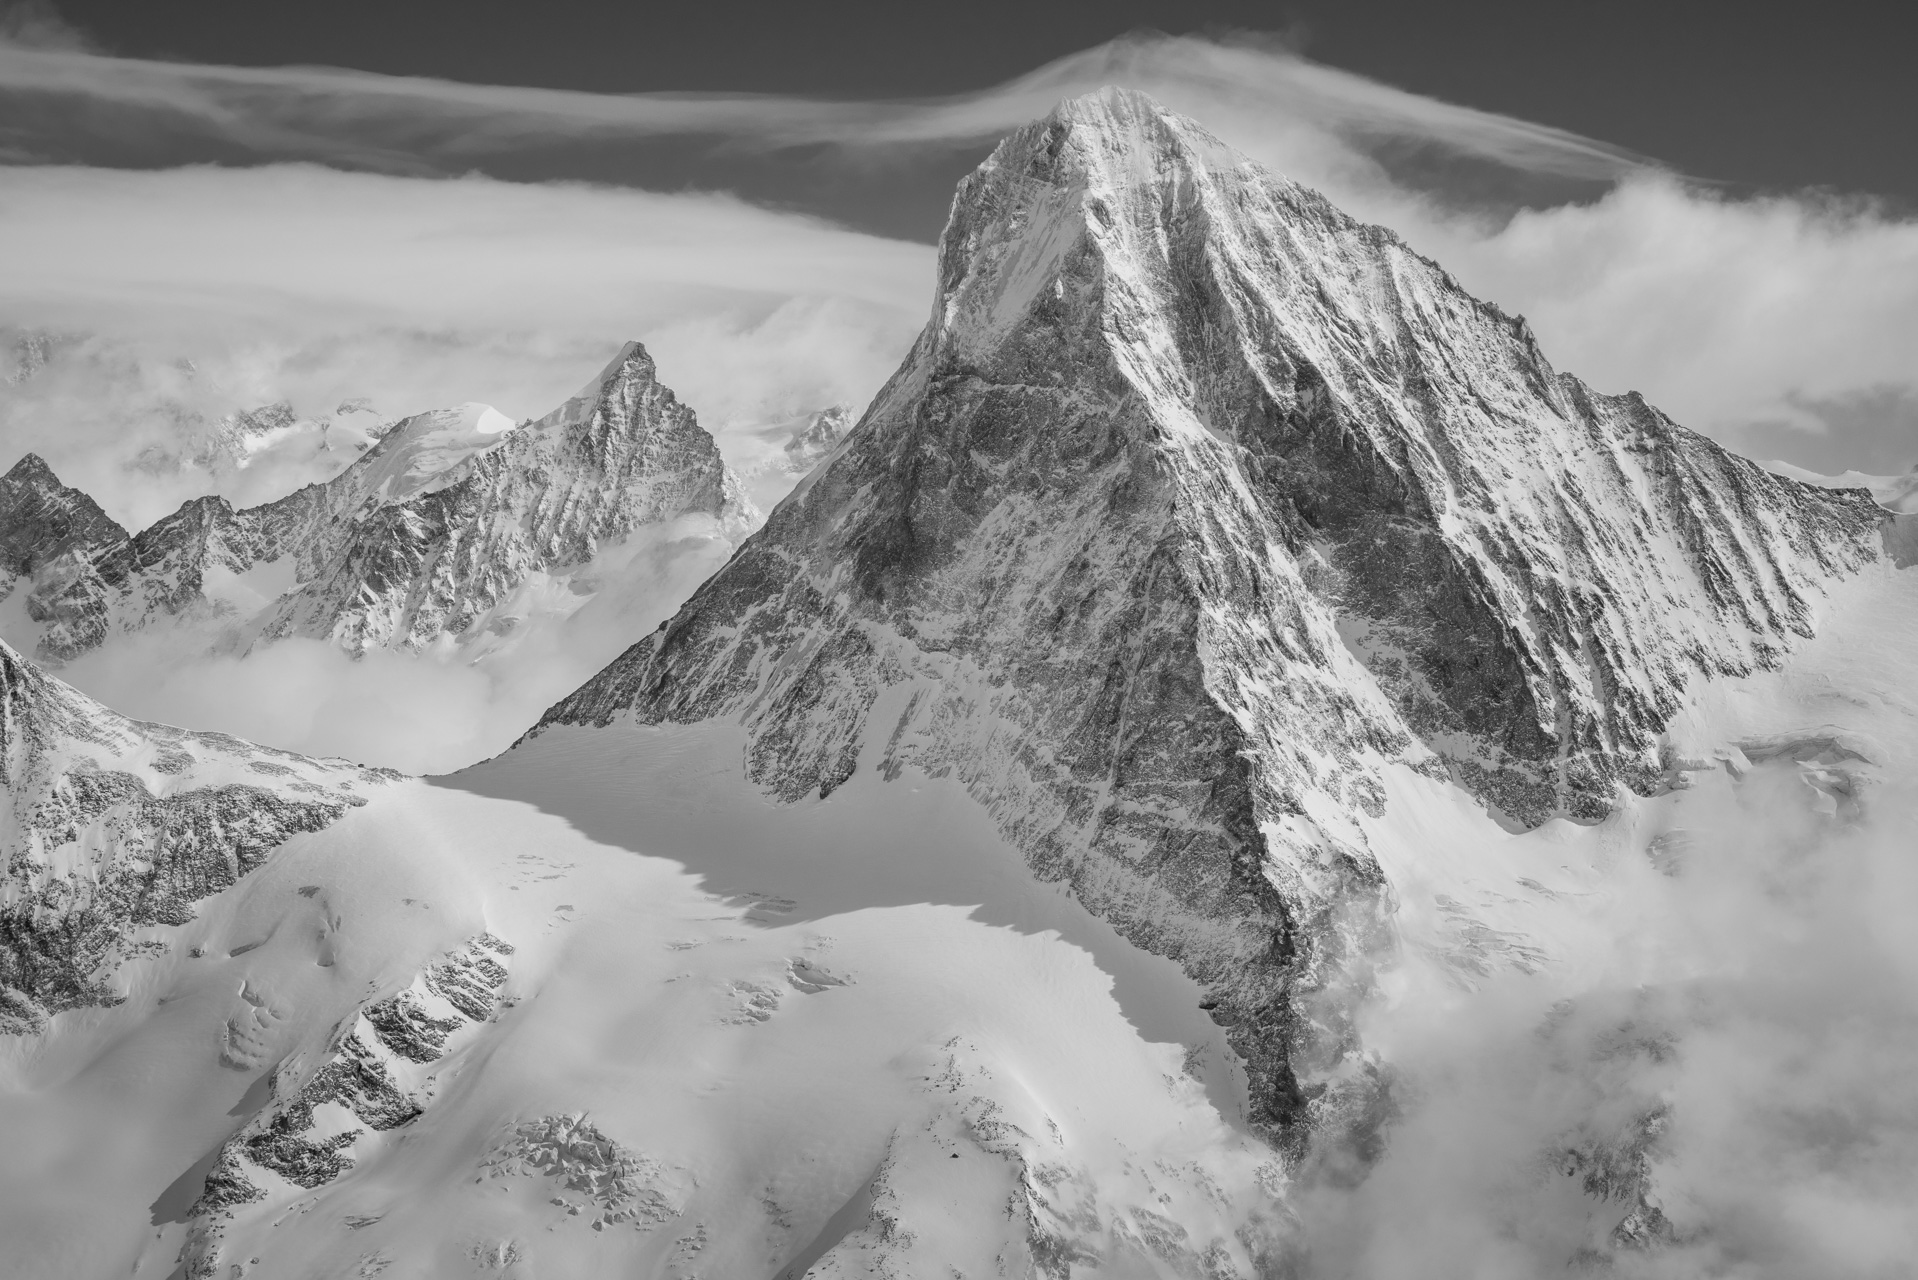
{"x":1198,"y":506}
{"x":421,"y":538}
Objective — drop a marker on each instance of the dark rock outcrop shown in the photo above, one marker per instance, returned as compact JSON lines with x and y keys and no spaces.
{"x":113,"y":825}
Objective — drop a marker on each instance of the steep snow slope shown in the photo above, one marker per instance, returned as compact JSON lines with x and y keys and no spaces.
{"x":601,"y":1006}
{"x":502,"y":1024}
{"x":418,"y":542}
{"x":112,"y":828}
{"x":1196,"y":506}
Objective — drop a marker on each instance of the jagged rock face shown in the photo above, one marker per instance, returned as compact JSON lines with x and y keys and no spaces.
{"x":622,"y":454}
{"x":71,"y":554}
{"x":1181,"y":454}
{"x":108,"y":825}
{"x":418,"y":539}
{"x":376,"y":1072}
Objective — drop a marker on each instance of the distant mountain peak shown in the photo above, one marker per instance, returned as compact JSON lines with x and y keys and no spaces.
{"x":420,"y":537}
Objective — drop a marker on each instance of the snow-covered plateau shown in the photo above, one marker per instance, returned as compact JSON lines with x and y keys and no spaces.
{"x":1232,"y":766}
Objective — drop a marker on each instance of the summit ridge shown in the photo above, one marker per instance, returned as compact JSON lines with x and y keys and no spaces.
{"x":421,"y":538}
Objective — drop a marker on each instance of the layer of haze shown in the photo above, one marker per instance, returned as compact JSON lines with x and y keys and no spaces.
{"x":427,"y":712}
{"x":177,"y":295}
{"x":315,"y":286}
{"x":1780,"y":325}
{"x":1737,"y":1033}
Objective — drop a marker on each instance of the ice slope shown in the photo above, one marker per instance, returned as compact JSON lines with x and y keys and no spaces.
{"x":602,"y":1006}
{"x":424,"y":540}
{"x":1196,"y":509}
{"x":711,"y":1036}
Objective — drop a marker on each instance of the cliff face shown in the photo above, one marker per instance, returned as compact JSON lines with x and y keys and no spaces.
{"x":410,"y":544}
{"x":417,"y":540}
{"x":109,"y":825}
{"x":67,"y":556}
{"x":1194,"y":505}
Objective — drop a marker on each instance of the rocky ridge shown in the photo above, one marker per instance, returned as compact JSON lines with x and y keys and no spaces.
{"x":109,"y":826}
{"x":376,"y":1075}
{"x":1196,"y":506}
{"x":419,"y":539}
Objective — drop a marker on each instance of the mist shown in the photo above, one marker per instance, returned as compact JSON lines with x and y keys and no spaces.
{"x":173,"y":298}
{"x":1778,"y":324}
{"x":427,"y":712}
{"x":1709,"y":1079}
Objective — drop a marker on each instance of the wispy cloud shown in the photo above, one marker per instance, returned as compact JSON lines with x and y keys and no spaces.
{"x":359,"y":116}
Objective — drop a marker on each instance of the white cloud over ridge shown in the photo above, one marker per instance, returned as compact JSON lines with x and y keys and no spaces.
{"x":1740,"y":317}
{"x":315,"y":285}
{"x":425,"y":712}
{"x":1749,"y":319}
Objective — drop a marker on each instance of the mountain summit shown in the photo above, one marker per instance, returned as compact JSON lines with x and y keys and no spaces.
{"x":1196,"y":510}
{"x":424,"y":537}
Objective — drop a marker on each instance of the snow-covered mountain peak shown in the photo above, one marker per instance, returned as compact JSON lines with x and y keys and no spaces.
{"x":42,"y":518}
{"x":418,"y":453}
{"x":1097,"y":166}
{"x":632,"y":366}
{"x":454,"y":527}
{"x":1197,"y":511}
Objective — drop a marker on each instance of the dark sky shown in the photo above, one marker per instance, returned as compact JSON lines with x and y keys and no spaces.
{"x":1763,"y":96}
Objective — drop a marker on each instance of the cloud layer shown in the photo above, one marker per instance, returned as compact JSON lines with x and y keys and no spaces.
{"x":315,"y":285}
{"x":1779,"y":325}
{"x":1729,"y":1038}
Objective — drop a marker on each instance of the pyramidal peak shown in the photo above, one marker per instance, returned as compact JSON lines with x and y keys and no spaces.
{"x":1098,"y":165}
{"x":423,"y":537}
{"x":633,"y":364}
{"x":1197,"y":510}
